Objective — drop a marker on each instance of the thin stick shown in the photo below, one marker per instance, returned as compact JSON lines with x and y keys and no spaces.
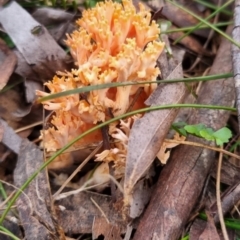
{"x":76,"y":171}
{"x":203,"y":146}
{"x":28,"y":126}
{"x":218,"y":195}
{"x":101,"y":211}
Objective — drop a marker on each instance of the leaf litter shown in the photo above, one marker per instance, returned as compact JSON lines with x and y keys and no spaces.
{"x":35,"y":59}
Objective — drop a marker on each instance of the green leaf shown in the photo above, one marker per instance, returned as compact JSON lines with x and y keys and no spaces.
{"x":207,"y":134}
{"x":179,"y":127}
{"x":222,"y":136}
{"x":179,"y":124}
{"x":195,"y":129}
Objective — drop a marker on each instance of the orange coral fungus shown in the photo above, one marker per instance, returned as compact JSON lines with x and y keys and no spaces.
{"x":114,"y":43}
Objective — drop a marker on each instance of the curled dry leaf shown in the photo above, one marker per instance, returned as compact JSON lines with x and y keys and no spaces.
{"x":162,"y":155}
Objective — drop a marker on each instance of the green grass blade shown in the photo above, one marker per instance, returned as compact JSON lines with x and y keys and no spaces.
{"x":206,"y":23}
{"x":120,"y":84}
{"x":8,"y":233}
{"x":183,"y":29}
{"x":8,"y":87}
{"x":2,"y":191}
{"x":229,"y":222}
{"x":201,"y":23}
{"x":214,"y":7}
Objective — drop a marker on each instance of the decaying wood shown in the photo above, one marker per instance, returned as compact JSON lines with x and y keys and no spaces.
{"x":182,"y":179}
{"x":236,"y":55}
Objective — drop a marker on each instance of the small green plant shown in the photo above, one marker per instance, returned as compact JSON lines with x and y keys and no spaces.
{"x":220,"y":136}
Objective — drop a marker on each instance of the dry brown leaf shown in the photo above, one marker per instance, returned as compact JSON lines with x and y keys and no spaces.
{"x":7,"y":65}
{"x":229,"y":172}
{"x":1,"y":133}
{"x":141,"y":195}
{"x":10,"y":138}
{"x":162,"y":155}
{"x":103,"y":229}
{"x":58,"y":19}
{"x":177,"y":16}
{"x":32,"y":40}
{"x":153,"y":127}
{"x":34,"y":207}
{"x":210,"y":231}
{"x":80,"y":204}
{"x":13,"y":107}
{"x":190,"y":43}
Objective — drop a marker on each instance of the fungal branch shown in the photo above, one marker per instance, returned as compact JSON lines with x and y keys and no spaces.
{"x":113,"y":43}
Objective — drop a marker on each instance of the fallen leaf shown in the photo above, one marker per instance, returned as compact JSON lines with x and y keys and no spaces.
{"x":106,"y":230}
{"x":1,"y":133}
{"x":179,"y":17}
{"x":162,"y":155}
{"x":34,"y":205}
{"x":58,"y":19}
{"x":80,"y":204}
{"x":13,"y":107}
{"x":154,"y":126}
{"x":10,"y":138}
{"x":229,"y":172}
{"x":210,"y":231}
{"x":140,"y":197}
{"x":7,"y":65}
{"x":32,"y":40}
{"x":190,"y":43}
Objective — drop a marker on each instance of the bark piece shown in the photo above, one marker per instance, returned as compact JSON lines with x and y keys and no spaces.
{"x":182,"y":179}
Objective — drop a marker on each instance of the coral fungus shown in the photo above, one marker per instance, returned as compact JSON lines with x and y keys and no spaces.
{"x":114,"y":43}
